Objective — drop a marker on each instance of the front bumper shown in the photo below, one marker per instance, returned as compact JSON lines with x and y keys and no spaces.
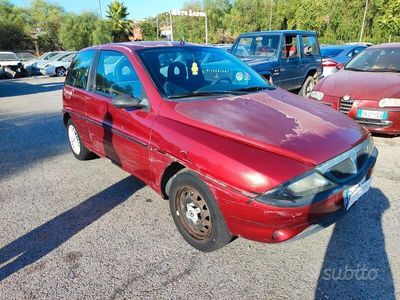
{"x":390,"y":126}
{"x":272,"y":224}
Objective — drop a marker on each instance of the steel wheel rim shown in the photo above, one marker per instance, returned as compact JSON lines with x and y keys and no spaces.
{"x":74,"y":139}
{"x":193,"y":213}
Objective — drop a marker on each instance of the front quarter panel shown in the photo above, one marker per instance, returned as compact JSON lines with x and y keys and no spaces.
{"x":227,"y":162}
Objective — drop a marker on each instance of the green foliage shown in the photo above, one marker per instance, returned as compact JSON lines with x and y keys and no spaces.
{"x":14,"y":34}
{"x":149,"y":29}
{"x":117,"y":12}
{"x":81,"y":31}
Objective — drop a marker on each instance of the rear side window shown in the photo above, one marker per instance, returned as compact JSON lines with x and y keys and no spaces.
{"x":116,"y":76}
{"x":79,"y":70}
{"x":310,"y":46}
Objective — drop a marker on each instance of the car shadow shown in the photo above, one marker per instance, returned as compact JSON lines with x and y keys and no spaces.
{"x":40,"y":241}
{"x":28,"y":139}
{"x":356,"y":265}
{"x":11,"y":88}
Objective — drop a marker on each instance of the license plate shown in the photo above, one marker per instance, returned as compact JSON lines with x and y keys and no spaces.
{"x":372,"y":114}
{"x":354,"y":193}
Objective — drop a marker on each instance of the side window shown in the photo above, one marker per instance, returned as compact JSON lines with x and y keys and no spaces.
{"x":116,"y":76}
{"x":290,"y":48}
{"x":310,"y":45}
{"x":355,"y":51}
{"x":79,"y":70}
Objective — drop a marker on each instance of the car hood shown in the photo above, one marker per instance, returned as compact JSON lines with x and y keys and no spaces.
{"x":362,"y":85}
{"x":276,"y":121}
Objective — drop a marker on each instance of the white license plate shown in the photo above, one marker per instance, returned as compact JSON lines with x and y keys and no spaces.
{"x":354,"y":193}
{"x":372,"y":114}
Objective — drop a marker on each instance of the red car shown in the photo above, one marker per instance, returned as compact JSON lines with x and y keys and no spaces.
{"x":234,"y":155}
{"x":367,"y":89}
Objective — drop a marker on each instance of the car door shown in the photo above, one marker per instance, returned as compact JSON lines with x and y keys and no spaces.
{"x":120,"y":134}
{"x":289,"y":78}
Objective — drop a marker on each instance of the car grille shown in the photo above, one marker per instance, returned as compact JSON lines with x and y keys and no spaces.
{"x":345,"y":105}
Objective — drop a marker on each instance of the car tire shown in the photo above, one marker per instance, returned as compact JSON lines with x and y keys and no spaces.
{"x":77,"y":147}
{"x":307,"y":87}
{"x":196,"y":213}
{"x":60,"y":72}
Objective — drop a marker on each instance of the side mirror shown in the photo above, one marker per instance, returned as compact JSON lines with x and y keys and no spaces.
{"x":126,"y":101}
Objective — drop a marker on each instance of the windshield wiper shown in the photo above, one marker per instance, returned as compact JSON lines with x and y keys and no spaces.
{"x":354,"y":69}
{"x":253,"y":89}
{"x":199,"y":94}
{"x":385,"y":70}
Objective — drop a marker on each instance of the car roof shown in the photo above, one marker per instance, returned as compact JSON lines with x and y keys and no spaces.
{"x":385,"y":45}
{"x":148,"y":44}
{"x":307,"y":32}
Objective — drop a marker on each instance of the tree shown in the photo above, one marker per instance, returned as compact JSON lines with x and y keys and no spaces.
{"x":45,"y":20}
{"x":117,"y":12}
{"x":81,"y":31}
{"x":389,"y":20}
{"x":102,"y":33}
{"x":14,"y":33}
{"x":148,"y":28}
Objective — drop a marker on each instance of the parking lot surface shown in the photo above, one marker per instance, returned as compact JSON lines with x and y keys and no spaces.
{"x":88,"y":230}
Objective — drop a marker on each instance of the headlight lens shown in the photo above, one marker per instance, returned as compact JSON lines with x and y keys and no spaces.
{"x":305,"y":186}
{"x":317,"y":95}
{"x":389,"y":102}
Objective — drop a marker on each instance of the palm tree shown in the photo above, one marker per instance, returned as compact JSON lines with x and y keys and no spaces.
{"x":117,"y":13}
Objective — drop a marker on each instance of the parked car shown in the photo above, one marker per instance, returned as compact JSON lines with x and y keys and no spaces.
{"x":58,"y":67}
{"x":10,"y":65}
{"x":226,"y":47}
{"x":234,"y":155}
{"x":30,"y":65}
{"x":367,"y":89}
{"x":334,"y":57}
{"x":287,"y":58}
{"x":25,"y":56}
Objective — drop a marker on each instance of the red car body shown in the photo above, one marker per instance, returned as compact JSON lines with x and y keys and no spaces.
{"x":353,"y":91}
{"x":240,"y":147}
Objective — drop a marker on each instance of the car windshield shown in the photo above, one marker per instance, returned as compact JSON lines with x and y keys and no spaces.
{"x":330,"y":52}
{"x":189,"y":71}
{"x":8,"y":56}
{"x":263,"y":46}
{"x":376,"y":60}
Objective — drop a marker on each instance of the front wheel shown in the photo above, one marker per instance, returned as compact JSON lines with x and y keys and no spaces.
{"x":196,"y":214}
{"x":307,"y":87}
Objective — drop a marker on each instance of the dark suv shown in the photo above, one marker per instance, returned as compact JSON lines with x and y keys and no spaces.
{"x":290,"y":59}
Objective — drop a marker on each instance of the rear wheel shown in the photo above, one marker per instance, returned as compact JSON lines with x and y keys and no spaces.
{"x":307,"y":87}
{"x":78,"y":148}
{"x":196,"y":213}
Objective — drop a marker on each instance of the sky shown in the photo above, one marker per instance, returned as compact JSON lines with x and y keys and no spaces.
{"x":136,"y":8}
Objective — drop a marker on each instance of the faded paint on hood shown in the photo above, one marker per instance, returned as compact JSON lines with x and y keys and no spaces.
{"x":362,"y":85}
{"x":276,"y":121}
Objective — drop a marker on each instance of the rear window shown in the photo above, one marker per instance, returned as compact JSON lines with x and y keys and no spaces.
{"x":330,"y":52}
{"x":79,"y":70}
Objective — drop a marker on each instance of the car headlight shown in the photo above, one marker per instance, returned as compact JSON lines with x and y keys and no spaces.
{"x":300,"y":187}
{"x":317,"y":95}
{"x":389,"y":102}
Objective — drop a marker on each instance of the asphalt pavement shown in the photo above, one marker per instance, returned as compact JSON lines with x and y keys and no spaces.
{"x":88,"y":230}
